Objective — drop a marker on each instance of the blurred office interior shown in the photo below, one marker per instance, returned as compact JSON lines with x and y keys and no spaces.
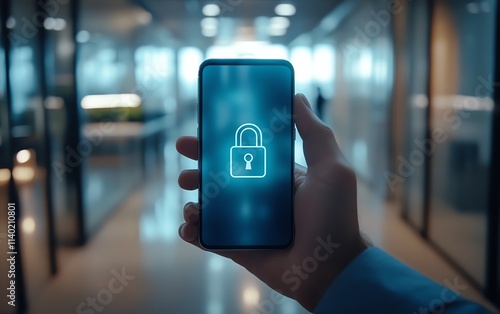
{"x":93,"y":95}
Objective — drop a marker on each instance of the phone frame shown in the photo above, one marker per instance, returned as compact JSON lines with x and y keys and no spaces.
{"x":245,"y":62}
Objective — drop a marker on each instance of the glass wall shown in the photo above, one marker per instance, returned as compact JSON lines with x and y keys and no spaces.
{"x":359,"y":111}
{"x":60,"y":106}
{"x":416,"y":120}
{"x":127,"y":95}
{"x":6,"y":189}
{"x":25,"y":27}
{"x":461,"y":116}
{"x":4,"y":120}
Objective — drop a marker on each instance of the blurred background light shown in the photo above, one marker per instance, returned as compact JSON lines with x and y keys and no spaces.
{"x":209,"y":26}
{"x":10,"y":23}
{"x":272,"y":51}
{"x":420,"y":100}
{"x":323,"y":63}
{"x":54,"y":103}
{"x":4,"y":175}
{"x":207,"y":32}
{"x":216,"y":264}
{"x":28,"y":225}
{"x":59,"y":24}
{"x":360,"y":156}
{"x":209,"y":23}
{"x":82,"y":36}
{"x":211,"y":10}
{"x":285,"y":9}
{"x":251,"y":296}
{"x":189,"y":61}
{"x":221,"y":52}
{"x":56,"y":24}
{"x":301,"y":58}
{"x":49,"y":23}
{"x":23,"y":156}
{"x":111,"y":101}
{"x":23,"y":174}
{"x":278,"y":26}
{"x":279,"y":22}
{"x":365,"y":64}
{"x":473,"y":8}
{"x":143,"y":17}
{"x":276,"y":31}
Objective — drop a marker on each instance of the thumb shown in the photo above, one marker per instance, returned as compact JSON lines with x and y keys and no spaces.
{"x":319,"y":141}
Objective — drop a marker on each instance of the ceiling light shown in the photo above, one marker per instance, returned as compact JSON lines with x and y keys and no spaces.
{"x":208,"y":32}
{"x":209,"y":23}
{"x":285,"y":9}
{"x":11,"y":23}
{"x":279,"y":22}
{"x":49,"y":23}
{"x":82,"y":36}
{"x":276,"y":31}
{"x":211,"y":10}
{"x":28,"y":225}
{"x":23,"y":156}
{"x":111,"y":101}
{"x":59,"y":24}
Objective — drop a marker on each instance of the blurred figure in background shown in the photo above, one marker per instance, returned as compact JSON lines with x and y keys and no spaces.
{"x":320,"y":104}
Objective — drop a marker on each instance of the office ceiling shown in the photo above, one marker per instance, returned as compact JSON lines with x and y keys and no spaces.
{"x":237,"y":20}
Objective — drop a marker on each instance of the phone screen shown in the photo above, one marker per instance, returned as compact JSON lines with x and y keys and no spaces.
{"x":246,"y":136}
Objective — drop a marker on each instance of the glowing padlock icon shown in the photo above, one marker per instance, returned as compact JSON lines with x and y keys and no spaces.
{"x":248,"y":161}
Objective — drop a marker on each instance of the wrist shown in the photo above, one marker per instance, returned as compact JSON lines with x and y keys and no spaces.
{"x":310,"y":294}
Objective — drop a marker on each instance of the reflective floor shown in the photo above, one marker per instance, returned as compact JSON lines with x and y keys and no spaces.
{"x":136,"y":262}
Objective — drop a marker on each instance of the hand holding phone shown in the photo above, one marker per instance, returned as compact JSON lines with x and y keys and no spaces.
{"x":327,"y":236}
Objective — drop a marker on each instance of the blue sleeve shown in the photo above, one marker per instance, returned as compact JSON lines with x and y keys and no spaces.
{"x":375,"y":282}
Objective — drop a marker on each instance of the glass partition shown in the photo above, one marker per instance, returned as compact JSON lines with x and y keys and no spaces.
{"x":461,"y":115}
{"x":25,"y":29}
{"x":416,"y":121}
{"x":5,"y":160}
{"x":359,"y":111}
{"x":127,"y":95}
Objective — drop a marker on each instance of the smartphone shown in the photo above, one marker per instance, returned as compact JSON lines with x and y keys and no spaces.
{"x":246,"y":135}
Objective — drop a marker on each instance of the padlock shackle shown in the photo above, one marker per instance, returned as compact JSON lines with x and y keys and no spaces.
{"x":238,"y":136}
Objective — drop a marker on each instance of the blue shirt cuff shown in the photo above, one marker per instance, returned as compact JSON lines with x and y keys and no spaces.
{"x":376,"y":282}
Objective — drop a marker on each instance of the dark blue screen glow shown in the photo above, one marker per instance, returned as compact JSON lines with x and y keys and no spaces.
{"x":246,"y":179}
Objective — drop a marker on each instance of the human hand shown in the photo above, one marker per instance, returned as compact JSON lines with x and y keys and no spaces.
{"x":327,"y":236}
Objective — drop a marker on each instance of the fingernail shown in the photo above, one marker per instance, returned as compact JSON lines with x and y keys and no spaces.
{"x":181,"y":230}
{"x":305,"y":101}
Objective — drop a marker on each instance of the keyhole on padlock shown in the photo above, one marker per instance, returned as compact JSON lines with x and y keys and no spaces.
{"x":248,"y":159}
